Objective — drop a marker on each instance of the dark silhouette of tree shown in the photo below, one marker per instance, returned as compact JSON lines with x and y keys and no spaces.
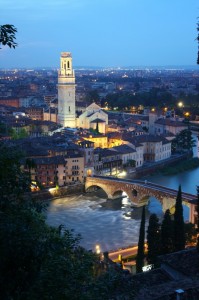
{"x":7,"y":35}
{"x":140,"y":253}
{"x":153,"y":240}
{"x":198,"y":43}
{"x":167,"y":245}
{"x":97,"y":127}
{"x":92,"y":96}
{"x":190,"y":233}
{"x":38,"y":261}
{"x":179,"y":232}
{"x":13,"y":182}
{"x":183,"y":141}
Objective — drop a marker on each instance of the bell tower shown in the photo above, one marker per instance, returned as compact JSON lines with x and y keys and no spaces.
{"x":66,"y":91}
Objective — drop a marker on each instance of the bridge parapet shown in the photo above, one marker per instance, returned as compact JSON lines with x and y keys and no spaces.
{"x":137,"y":191}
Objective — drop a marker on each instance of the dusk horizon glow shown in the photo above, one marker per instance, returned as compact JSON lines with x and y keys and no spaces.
{"x":101,"y":33}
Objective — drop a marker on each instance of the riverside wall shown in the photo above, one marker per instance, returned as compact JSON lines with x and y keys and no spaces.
{"x":154,"y":167}
{"x":53,"y":193}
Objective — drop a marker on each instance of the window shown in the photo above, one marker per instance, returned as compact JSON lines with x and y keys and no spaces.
{"x":68,"y":65}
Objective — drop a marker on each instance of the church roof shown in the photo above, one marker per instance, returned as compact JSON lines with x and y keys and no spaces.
{"x":93,"y":106}
{"x":170,"y":122}
{"x":98,"y":121}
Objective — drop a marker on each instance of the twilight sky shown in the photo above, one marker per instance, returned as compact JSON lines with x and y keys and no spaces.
{"x":107,"y":33}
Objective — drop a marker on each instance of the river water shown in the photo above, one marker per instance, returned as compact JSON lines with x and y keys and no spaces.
{"x":112,"y":224}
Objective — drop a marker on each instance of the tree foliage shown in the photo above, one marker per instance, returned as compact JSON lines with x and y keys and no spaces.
{"x":140,"y":253}
{"x":179,"y":232}
{"x":183,"y":141}
{"x":13,"y":182}
{"x":7,"y":35}
{"x":92,"y":96}
{"x":153,"y":240}
{"x":190,"y":233}
{"x":125,"y":100}
{"x":198,"y":43}
{"x":20,"y":134}
{"x":167,"y":234}
{"x":41,"y":262}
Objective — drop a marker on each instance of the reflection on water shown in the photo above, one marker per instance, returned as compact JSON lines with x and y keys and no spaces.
{"x":112,"y":223}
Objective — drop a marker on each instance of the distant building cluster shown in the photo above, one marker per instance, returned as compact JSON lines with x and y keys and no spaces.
{"x":68,"y":138}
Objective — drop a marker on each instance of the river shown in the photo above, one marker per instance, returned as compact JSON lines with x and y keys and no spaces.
{"x":112,"y":224}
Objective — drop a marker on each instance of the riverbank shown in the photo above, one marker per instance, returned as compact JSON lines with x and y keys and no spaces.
{"x":182,"y":166}
{"x":157,"y":167}
{"x":53,"y":193}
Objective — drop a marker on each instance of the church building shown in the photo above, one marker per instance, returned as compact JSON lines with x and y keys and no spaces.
{"x":94,"y":117}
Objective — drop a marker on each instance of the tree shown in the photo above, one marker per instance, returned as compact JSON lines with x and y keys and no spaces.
{"x":198,"y":43}
{"x":190,"y":233}
{"x":153,"y":240}
{"x":179,"y":232}
{"x":13,"y":182}
{"x":97,"y":127}
{"x":140,"y":253}
{"x":38,"y":261}
{"x":92,"y":96}
{"x":7,"y":35}
{"x":183,"y":141}
{"x":167,"y":245}
{"x":20,"y":134}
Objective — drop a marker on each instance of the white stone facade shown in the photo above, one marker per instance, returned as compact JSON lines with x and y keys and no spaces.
{"x":93,"y":115}
{"x":66,"y":92}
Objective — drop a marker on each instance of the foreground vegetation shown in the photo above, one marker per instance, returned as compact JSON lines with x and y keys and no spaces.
{"x":38,"y":261}
{"x":170,"y":235}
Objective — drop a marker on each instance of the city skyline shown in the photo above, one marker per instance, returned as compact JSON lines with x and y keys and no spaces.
{"x":102,"y":33}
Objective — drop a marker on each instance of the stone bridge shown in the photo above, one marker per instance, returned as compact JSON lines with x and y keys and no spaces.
{"x":137,"y":191}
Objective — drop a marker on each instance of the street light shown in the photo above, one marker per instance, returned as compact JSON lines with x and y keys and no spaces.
{"x":97,"y":249}
{"x":180,"y":104}
{"x":187,"y":114}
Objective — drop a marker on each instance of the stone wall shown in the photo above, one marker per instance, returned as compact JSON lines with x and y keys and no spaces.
{"x":58,"y":193}
{"x":146,"y":170}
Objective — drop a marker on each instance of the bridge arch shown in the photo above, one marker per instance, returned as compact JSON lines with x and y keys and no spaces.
{"x":94,"y":187}
{"x":138,"y":191}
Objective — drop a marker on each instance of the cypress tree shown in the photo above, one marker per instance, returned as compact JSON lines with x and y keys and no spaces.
{"x":97,"y":127}
{"x":140,"y":253}
{"x":167,"y":238}
{"x":179,"y":232}
{"x":153,"y":240}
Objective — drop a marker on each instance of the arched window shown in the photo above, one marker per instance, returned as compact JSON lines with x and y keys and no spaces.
{"x":68,"y":65}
